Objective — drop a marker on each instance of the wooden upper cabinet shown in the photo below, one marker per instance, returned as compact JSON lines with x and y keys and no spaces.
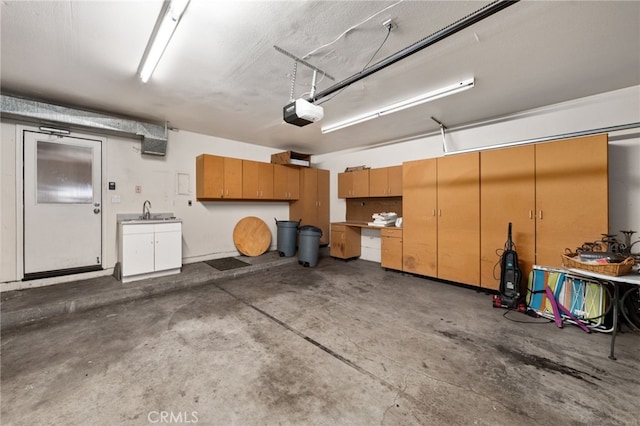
{"x":572,"y":198}
{"x":257,"y":180}
{"x":507,"y":182}
{"x":218,"y":177}
{"x":353,"y":184}
{"x":459,"y":218}
{"x":385,"y":181}
{"x":286,"y":182}
{"x":419,"y":222}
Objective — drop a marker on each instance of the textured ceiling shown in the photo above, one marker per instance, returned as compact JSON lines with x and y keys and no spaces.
{"x":221,"y":75}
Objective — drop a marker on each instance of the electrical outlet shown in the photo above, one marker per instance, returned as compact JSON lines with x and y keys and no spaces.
{"x":389,"y":25}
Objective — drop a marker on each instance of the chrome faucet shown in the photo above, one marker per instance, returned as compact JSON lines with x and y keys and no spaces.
{"x":146,"y":210}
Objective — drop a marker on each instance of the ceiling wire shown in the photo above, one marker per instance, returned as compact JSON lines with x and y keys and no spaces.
{"x":350,"y":29}
{"x":380,"y":47}
{"x":363,"y":68}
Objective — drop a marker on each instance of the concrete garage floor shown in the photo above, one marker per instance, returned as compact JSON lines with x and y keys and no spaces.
{"x":339,"y":344}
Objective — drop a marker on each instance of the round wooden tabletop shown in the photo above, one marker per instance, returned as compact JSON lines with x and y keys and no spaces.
{"x":252,"y":236}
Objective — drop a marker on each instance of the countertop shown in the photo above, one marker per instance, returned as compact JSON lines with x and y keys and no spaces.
{"x":362,"y":224}
{"x":148,"y":221}
{"x":136,"y":219}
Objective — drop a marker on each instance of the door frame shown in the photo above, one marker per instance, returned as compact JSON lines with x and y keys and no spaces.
{"x":20,"y":129}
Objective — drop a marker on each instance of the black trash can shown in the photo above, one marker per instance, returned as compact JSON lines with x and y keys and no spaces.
{"x":287,"y":233}
{"x":308,"y":245}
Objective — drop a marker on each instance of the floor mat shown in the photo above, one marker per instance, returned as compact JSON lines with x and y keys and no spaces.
{"x":226,"y":263}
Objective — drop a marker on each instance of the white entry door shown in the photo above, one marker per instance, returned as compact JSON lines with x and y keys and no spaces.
{"x":62,"y":204}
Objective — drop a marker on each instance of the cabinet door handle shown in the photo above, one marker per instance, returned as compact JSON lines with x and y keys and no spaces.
{"x":433,"y":212}
{"x":439,"y":212}
{"x":530,"y":214}
{"x":540,"y":214}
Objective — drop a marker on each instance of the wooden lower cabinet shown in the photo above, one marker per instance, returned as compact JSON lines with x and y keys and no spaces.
{"x":345,"y":241}
{"x":391,"y":248}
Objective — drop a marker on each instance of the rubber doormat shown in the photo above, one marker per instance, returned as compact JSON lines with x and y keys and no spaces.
{"x":226,"y":263}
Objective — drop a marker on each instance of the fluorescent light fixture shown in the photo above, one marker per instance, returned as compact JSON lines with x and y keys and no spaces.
{"x":349,"y":122}
{"x":399,"y":106}
{"x":161,"y":37}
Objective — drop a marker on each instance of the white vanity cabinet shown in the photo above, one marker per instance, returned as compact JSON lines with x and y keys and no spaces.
{"x":149,"y":249}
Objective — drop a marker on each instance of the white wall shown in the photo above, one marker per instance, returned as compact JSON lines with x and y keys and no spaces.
{"x":207,"y":226}
{"x":603,"y":110}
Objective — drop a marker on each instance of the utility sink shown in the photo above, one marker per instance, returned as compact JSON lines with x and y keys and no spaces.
{"x":153,"y":220}
{"x":156,"y":218}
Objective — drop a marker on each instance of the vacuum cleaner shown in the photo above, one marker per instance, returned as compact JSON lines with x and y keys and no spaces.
{"x":510,"y":296}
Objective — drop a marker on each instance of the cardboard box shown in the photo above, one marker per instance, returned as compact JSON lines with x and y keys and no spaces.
{"x":292,"y":159}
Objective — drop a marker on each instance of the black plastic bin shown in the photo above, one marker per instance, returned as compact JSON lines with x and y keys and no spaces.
{"x":287,"y":233}
{"x":308,"y":245}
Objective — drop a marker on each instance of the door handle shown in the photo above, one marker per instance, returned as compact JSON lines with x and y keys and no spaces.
{"x":96,"y":210}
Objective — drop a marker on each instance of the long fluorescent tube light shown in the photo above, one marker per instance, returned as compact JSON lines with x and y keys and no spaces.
{"x":161,"y":37}
{"x":399,"y":106}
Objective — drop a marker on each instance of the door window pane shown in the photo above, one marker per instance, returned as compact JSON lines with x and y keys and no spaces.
{"x":64,"y":173}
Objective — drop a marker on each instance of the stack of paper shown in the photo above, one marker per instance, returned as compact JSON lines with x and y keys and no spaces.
{"x":383,"y":219}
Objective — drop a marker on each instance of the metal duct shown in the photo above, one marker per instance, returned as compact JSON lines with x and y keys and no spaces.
{"x":47,"y":113}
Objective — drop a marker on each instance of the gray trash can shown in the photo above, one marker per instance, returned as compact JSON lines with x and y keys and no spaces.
{"x":308,"y":245}
{"x":287,"y":233}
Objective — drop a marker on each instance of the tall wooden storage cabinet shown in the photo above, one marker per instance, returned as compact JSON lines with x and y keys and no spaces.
{"x":572,"y":195}
{"x":555,"y":194}
{"x":419,"y":221}
{"x":459,"y":218}
{"x":507,"y":181}
{"x":313,"y":205}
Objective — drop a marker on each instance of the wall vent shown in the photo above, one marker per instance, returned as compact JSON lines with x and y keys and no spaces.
{"x":152,"y":146}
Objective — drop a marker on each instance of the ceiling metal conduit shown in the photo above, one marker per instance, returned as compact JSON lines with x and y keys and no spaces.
{"x":463,"y":23}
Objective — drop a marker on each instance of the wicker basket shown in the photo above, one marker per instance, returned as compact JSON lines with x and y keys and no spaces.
{"x":611,"y":269}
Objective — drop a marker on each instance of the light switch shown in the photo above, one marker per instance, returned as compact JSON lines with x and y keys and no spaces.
{"x":115,"y":199}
